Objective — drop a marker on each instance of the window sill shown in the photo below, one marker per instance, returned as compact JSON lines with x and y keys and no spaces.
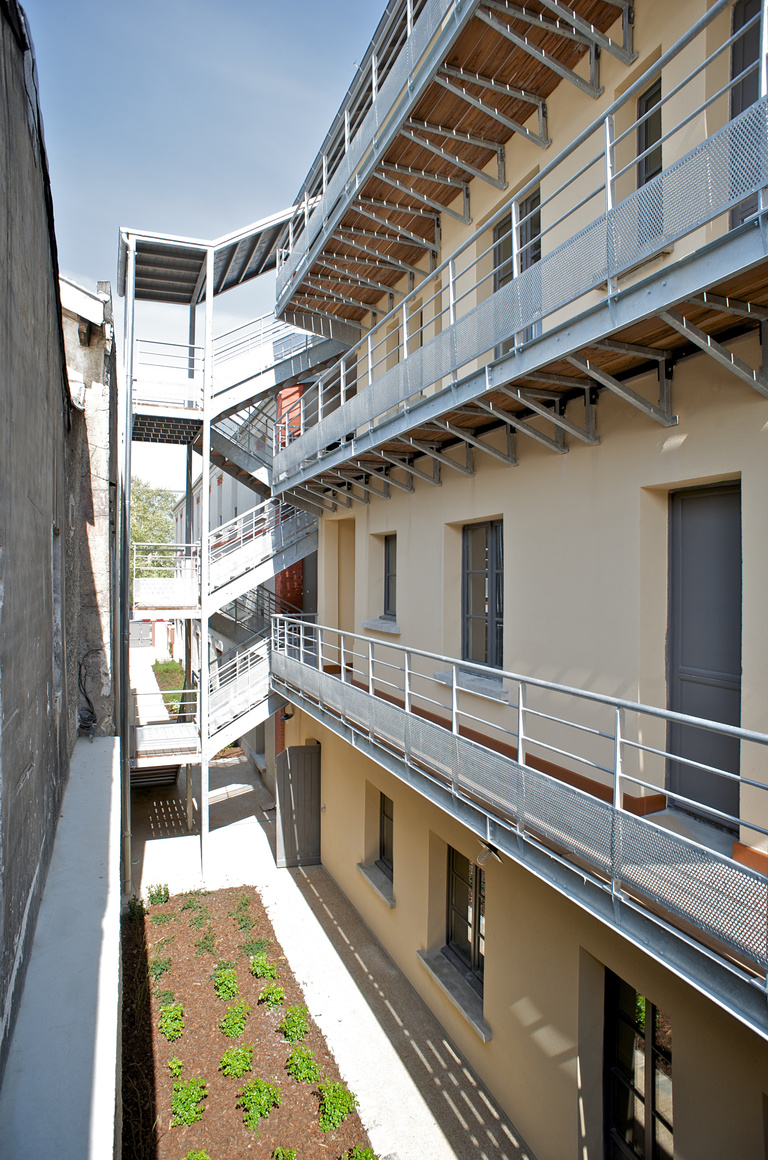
{"x":490,"y":687}
{"x":382,"y":624}
{"x":459,"y":992}
{"x":379,"y":883}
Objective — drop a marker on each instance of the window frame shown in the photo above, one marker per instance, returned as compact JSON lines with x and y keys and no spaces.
{"x":390,"y":577}
{"x":494,"y":600}
{"x":616,"y":1147}
{"x":651,"y":164}
{"x":385,"y":860}
{"x":471,"y":966}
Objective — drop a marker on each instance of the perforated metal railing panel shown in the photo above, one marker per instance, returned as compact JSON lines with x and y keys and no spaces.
{"x":717,"y":174}
{"x":713,"y":894}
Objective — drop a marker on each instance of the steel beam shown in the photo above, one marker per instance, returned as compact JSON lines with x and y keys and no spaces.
{"x":634,"y":348}
{"x":725,"y":358}
{"x":434,"y":478}
{"x":312,"y":284}
{"x":591,"y":88}
{"x":730,"y":306}
{"x":539,"y":138}
{"x":464,"y":218}
{"x":396,"y":207}
{"x":344,"y":277}
{"x":345,"y":478}
{"x":555,"y":444}
{"x":382,"y":475}
{"x":409,"y":235}
{"x":417,"y":139}
{"x":406,"y":267}
{"x":507,"y":457}
{"x":622,"y":52}
{"x":585,"y":434}
{"x":425,"y":449}
{"x":623,"y":391}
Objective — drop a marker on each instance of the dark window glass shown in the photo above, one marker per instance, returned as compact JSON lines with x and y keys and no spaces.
{"x":648,"y":133}
{"x":390,"y":576}
{"x":638,"y":1076}
{"x":465,"y":934}
{"x":745,"y":52}
{"x":483,"y":594}
{"x":529,"y":247}
{"x":386,"y":812}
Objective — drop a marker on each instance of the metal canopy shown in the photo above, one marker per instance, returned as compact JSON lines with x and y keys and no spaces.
{"x":172,"y":269}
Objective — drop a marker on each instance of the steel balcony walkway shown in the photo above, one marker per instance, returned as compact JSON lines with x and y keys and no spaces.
{"x":253,"y":547}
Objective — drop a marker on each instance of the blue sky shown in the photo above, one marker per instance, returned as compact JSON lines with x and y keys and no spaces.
{"x":185,"y":117}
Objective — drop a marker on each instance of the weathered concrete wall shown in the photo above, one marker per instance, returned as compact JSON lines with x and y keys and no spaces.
{"x":44,"y":573}
{"x":91,"y":470}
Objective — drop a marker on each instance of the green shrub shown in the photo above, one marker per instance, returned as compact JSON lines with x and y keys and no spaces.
{"x":165,"y":998}
{"x":198,"y":920}
{"x":294,"y":1025}
{"x":135,"y":909}
{"x":191,"y":902}
{"x":336,"y":1102}
{"x":272,"y":996}
{"x":242,"y":915}
{"x":175,"y":1067}
{"x":172,"y":1021}
{"x":233,"y":1023}
{"x":257,"y":1099}
{"x":202,"y":1155}
{"x":157,"y":968}
{"x":255,"y":946}
{"x":206,"y":944}
{"x":261,"y":968}
{"x":185,"y":1101}
{"x":236,"y":1061}
{"x":158,"y":894}
{"x":360,"y":1153}
{"x":225,"y":981}
{"x":302,"y":1065}
{"x":284,"y":1154}
{"x":161,"y":919}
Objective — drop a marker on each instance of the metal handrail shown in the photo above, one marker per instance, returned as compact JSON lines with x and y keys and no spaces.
{"x":261,"y":521}
{"x":258,"y":333}
{"x":390,"y":358}
{"x":324,"y":646}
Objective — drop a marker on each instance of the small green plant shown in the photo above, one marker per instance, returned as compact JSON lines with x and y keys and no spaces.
{"x":191,"y":902}
{"x":294,"y":1025}
{"x":165,"y":998}
{"x":157,"y":968}
{"x":135,"y":909}
{"x":161,"y":919}
{"x":336,"y":1102}
{"x":255,"y":946}
{"x":175,"y":1067}
{"x":225,"y":981}
{"x":302,"y":1065}
{"x":359,"y":1152}
{"x":257,"y":1099}
{"x":202,"y":1155}
{"x":284,"y":1154}
{"x":233,"y":1023}
{"x":158,"y":894}
{"x":199,"y":918}
{"x":172,"y":1021}
{"x":242,"y":915}
{"x":261,"y":968}
{"x":186,"y":1099}
{"x":272,"y":996}
{"x":206,"y":944}
{"x":236,"y":1061}
{"x":164,"y":942}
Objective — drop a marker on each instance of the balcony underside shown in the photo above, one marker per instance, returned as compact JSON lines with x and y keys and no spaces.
{"x":170,"y":425}
{"x":460,"y":89}
{"x":700,"y":914}
{"x":704,"y":300}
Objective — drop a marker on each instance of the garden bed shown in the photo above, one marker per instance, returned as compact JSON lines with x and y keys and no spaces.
{"x":170,"y":959}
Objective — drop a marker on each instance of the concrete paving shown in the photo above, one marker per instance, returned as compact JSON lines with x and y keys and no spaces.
{"x":59,"y":1088}
{"x":418,"y":1096}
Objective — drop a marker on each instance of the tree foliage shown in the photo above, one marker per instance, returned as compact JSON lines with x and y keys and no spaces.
{"x":151,"y":513}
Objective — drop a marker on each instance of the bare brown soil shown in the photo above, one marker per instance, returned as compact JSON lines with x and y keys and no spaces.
{"x":171,"y":931}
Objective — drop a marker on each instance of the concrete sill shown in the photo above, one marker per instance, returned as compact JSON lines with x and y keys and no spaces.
{"x":464,"y":999}
{"x":490,"y":687}
{"x":382,"y":624}
{"x":379,"y":883}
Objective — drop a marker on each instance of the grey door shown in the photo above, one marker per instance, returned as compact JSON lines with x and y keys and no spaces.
{"x":704,"y":641}
{"x":298,"y":806}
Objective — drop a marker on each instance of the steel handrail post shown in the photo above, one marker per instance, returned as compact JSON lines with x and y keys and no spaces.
{"x":521,"y":695}
{"x":610,"y":133}
{"x":370,"y":668}
{"x":407,"y":680}
{"x":454,"y":700}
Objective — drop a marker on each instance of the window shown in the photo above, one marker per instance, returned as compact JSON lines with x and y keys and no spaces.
{"x":390,"y":577}
{"x":483,"y":594}
{"x":529,"y":253}
{"x":745,"y":54}
{"x":638,"y":1075}
{"x":465,"y":927}
{"x":649,"y":133}
{"x":386,"y":814}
